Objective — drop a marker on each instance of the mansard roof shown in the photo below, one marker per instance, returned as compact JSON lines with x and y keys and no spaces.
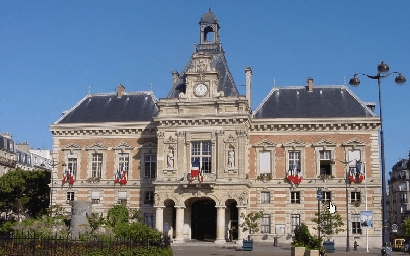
{"x":108,"y":107}
{"x":320,"y":102}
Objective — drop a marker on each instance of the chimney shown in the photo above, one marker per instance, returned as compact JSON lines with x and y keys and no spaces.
{"x":120,"y":90}
{"x":248,"y":74}
{"x":175,"y":77}
{"x":310,"y":84}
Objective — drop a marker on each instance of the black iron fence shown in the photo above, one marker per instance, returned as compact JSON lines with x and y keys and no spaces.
{"x":31,"y":244}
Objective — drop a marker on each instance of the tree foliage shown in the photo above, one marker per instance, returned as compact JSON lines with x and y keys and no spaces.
{"x":406,"y":227}
{"x":25,"y":192}
{"x":118,"y":214}
{"x":330,"y":223}
{"x":251,"y":222}
{"x":303,"y":238}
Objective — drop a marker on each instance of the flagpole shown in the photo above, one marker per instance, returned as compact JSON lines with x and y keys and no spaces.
{"x":365,"y":189}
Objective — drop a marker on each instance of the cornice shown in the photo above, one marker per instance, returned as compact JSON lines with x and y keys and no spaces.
{"x":103,"y":129}
{"x":317,"y":125}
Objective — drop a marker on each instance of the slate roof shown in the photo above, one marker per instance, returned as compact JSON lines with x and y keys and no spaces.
{"x":321,"y":102}
{"x":98,"y":108}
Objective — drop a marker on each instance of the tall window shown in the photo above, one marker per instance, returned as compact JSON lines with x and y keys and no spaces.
{"x":355,"y":197}
{"x":149,"y":219}
{"x":150,"y":163}
{"x":72,"y":166}
{"x":265,"y":197}
{"x":403,"y":186}
{"x":325,"y":158}
{"x":264,"y":162}
{"x":295,"y":197}
{"x":202,"y":150}
{"x":294,"y":162}
{"x":356,"y":228}
{"x":149,"y":198}
{"x":123,"y":162}
{"x":265,"y":224}
{"x":403,"y":208}
{"x":354,"y":160}
{"x":403,"y":197}
{"x":96,"y":165}
{"x":294,"y":221}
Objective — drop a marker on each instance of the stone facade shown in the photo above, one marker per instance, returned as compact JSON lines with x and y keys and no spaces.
{"x":203,"y":157}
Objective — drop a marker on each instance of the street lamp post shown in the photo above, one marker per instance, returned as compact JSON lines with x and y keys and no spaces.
{"x":346,"y":163}
{"x":382,"y":72}
{"x":52,"y":165}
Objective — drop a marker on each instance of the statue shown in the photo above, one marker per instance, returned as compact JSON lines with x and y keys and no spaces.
{"x":170,"y":159}
{"x":231,"y":158}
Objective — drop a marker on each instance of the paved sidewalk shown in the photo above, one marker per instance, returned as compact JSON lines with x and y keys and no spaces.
{"x":260,"y":249}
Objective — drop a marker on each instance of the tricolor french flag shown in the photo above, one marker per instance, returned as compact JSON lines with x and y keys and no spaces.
{"x":195,"y":168}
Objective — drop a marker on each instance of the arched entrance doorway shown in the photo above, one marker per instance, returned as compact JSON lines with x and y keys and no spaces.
{"x":203,"y":219}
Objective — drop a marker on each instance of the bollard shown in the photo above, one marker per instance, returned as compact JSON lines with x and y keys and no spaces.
{"x":275,"y":241}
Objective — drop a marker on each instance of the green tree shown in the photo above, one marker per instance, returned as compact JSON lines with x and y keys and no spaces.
{"x":329,"y":224}
{"x":25,"y":192}
{"x":251,"y":222}
{"x":406,"y":227}
{"x":118,"y":214}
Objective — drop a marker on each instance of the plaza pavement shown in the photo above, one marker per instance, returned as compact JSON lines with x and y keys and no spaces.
{"x":195,"y":248}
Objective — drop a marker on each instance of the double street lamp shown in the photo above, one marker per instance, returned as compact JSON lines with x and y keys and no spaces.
{"x":52,"y":165}
{"x":382,"y":72}
{"x":346,"y":163}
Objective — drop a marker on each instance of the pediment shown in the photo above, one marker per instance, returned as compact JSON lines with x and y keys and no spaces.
{"x":170,"y":140}
{"x":71,"y":146}
{"x":354,"y":142}
{"x":231,"y":138}
{"x":325,"y":142}
{"x":294,"y":143}
{"x":123,"y":146}
{"x":265,"y":143}
{"x":96,"y":146}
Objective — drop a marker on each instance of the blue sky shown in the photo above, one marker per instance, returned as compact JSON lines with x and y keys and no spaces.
{"x":52,"y":52}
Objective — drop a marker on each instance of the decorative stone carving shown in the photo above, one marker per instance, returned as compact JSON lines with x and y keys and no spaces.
{"x":170,"y":140}
{"x":231,"y":158}
{"x":241,"y":133}
{"x":170,"y":159}
{"x":220,"y":133}
{"x":180,"y":134}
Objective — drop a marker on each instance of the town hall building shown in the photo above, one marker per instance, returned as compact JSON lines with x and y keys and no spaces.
{"x":196,"y":161}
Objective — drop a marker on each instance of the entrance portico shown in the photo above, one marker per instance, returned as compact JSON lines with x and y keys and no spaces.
{"x":199,"y":218}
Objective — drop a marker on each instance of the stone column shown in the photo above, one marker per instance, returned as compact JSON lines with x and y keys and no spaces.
{"x":179,"y":224}
{"x":160,"y":155}
{"x":159,"y":218}
{"x":180,"y":155}
{"x":241,"y":234}
{"x":220,"y":154}
{"x":220,"y":225}
{"x":241,"y":153}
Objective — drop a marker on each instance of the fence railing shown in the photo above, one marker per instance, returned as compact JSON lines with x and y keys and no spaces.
{"x":29,"y":244}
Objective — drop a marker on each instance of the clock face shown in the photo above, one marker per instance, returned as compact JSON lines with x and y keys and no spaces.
{"x":201,"y":90}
